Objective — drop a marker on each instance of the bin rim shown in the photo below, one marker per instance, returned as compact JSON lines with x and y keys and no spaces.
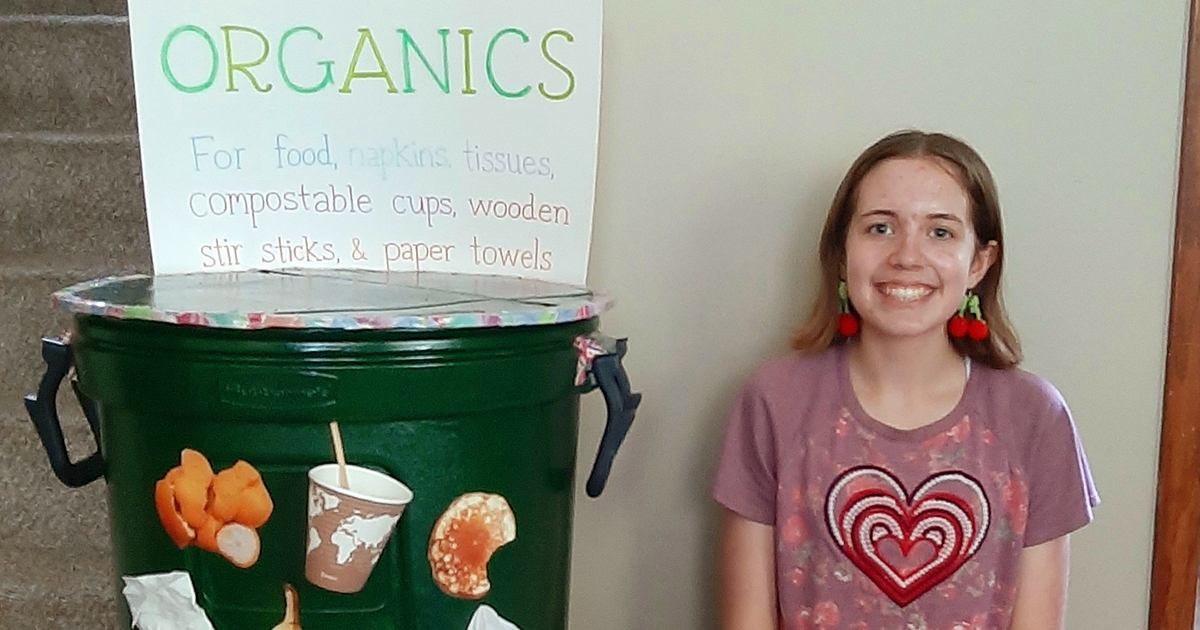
{"x":333,"y":299}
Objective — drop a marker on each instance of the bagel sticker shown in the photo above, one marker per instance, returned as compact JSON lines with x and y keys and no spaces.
{"x":220,"y":512}
{"x":464,"y":538}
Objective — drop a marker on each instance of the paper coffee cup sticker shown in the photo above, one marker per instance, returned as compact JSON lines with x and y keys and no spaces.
{"x":348,"y":528}
{"x":449,"y":136}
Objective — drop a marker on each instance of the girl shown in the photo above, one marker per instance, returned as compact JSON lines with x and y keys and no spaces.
{"x":899,"y":472}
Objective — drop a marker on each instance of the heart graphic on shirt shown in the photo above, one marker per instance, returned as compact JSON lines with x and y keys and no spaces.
{"x":906,"y":544}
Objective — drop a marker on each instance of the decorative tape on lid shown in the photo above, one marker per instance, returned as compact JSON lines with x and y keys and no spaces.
{"x":334,"y":299}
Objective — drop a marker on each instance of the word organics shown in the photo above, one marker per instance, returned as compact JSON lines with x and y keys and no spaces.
{"x":303,"y":58}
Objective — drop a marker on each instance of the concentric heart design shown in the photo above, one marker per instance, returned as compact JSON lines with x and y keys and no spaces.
{"x":906,"y":544}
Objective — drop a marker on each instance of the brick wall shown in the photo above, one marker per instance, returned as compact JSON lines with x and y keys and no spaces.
{"x":71,"y":208}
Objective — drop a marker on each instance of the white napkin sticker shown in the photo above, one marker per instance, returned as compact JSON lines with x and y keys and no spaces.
{"x":485,"y":618}
{"x":165,"y":601}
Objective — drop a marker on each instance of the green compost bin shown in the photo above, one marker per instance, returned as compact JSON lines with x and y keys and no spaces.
{"x":452,"y":384}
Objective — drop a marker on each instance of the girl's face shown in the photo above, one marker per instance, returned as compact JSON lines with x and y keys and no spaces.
{"x":911,"y":249}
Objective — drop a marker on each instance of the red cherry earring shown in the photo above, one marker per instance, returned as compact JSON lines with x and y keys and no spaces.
{"x":847,"y":322}
{"x":975,"y":328}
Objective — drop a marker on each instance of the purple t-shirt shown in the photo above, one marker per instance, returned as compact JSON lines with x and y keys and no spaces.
{"x":879,"y":528}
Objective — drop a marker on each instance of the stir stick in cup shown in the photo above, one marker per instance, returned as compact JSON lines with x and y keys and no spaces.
{"x":340,"y":454}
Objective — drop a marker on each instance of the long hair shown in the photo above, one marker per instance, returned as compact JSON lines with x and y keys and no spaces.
{"x":1001,"y":349}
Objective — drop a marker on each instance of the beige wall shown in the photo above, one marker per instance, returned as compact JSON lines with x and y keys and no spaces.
{"x":725,"y":128}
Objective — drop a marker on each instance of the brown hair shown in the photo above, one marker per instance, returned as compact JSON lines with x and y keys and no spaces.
{"x":1001,"y":349}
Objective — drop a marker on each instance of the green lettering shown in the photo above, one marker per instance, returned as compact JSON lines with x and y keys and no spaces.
{"x":488,"y":64}
{"x":554,"y":62}
{"x":244,"y":68}
{"x":466,"y":33}
{"x":353,"y":73}
{"x":408,"y":42}
{"x":166,"y":64}
{"x":283,"y":70}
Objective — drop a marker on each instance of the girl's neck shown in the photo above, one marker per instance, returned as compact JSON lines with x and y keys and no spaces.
{"x":906,"y":383}
{"x":912,"y":364}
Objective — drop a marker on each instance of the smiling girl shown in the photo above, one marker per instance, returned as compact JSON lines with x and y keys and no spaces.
{"x":899,"y":472}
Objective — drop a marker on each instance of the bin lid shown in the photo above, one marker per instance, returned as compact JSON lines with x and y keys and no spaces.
{"x":334,"y":299}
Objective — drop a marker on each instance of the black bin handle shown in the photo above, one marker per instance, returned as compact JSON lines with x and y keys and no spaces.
{"x":608,"y":373}
{"x":43,"y":411}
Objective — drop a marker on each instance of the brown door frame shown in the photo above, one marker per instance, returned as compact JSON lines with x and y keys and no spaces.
{"x":1177,"y":516}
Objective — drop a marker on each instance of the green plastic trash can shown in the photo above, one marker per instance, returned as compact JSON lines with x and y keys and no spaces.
{"x":211,"y":395}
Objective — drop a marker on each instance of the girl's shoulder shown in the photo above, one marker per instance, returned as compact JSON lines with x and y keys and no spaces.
{"x":1019,"y":391}
{"x":797,"y":374}
{"x":1024,"y":409}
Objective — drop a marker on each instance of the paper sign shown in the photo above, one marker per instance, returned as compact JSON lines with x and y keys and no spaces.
{"x":457,"y":135}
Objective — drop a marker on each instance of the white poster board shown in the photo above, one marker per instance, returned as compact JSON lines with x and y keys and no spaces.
{"x":457,"y":135}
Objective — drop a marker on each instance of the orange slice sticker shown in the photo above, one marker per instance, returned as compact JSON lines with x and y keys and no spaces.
{"x":219,"y":513}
